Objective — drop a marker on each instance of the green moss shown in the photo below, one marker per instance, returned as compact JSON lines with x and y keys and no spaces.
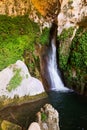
{"x":15,"y":80}
{"x":43,"y":116}
{"x":18,"y":38}
{"x":64,"y":49}
{"x":77,"y":61}
{"x":16,"y":35}
{"x":66,"y":33}
{"x":79,"y":49}
{"x":44,"y":38}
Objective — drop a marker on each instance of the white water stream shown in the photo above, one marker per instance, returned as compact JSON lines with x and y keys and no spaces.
{"x":56,"y":82}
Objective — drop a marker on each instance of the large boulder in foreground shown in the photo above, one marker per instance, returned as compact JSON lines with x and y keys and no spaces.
{"x":15,"y":80}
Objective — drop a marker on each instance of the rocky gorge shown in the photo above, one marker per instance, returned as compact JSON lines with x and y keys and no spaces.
{"x":24,"y":31}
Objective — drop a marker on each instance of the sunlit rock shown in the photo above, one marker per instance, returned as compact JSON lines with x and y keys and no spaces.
{"x":16,"y":80}
{"x":47,"y":8}
{"x":14,"y":7}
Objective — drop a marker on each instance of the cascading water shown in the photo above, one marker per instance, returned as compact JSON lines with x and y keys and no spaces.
{"x":48,"y":64}
{"x":56,"y":82}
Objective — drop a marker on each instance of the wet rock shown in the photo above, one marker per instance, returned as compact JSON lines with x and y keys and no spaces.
{"x":48,"y":118}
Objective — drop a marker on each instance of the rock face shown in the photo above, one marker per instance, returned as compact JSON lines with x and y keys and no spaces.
{"x":14,"y":7}
{"x":73,"y":13}
{"x":34,"y":8}
{"x":47,"y":8}
{"x":16,"y":80}
{"x":48,"y":118}
{"x":70,"y":12}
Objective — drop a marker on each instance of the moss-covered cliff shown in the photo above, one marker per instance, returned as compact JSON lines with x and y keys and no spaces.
{"x":73,"y":59}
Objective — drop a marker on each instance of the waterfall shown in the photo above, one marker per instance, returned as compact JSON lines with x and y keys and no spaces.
{"x":48,"y":63}
{"x":56,"y":82}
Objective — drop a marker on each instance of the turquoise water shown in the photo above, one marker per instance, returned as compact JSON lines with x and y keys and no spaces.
{"x":72,"y":110}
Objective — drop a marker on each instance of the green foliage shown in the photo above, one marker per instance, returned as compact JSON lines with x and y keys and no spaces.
{"x":44,"y":38}
{"x":79,"y":50}
{"x":16,"y":35}
{"x":63,"y":61}
{"x":43,"y":116}
{"x":77,"y":62}
{"x":67,"y":33}
{"x":15,"y":80}
{"x":64,"y":48}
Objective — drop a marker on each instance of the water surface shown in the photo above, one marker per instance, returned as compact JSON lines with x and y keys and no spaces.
{"x":72,"y":110}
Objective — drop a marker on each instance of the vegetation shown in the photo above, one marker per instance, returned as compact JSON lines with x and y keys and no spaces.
{"x":64,"y":49}
{"x":75,"y":66}
{"x":44,"y":37}
{"x":18,"y":36}
{"x":43,"y":116}
{"x":67,"y":33}
{"x":15,"y":80}
{"x":79,"y":49}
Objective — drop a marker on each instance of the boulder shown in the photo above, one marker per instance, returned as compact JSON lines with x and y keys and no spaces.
{"x":48,"y":118}
{"x":16,"y":80}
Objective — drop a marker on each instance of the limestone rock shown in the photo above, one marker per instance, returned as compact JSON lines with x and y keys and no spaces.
{"x":72,"y":13}
{"x":14,"y":7}
{"x":48,"y":118}
{"x":16,"y":80}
